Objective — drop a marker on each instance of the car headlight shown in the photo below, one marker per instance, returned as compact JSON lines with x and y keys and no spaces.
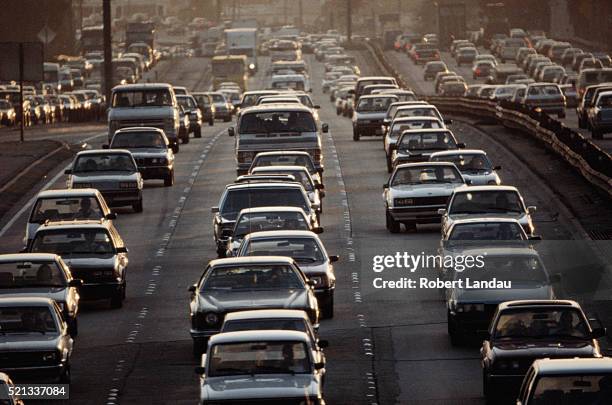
{"x":319,"y":281}
{"x":211,"y":318}
{"x":252,"y":66}
{"x":128,"y":184}
{"x":49,"y":356}
{"x":470,"y":308}
{"x":81,"y":185}
{"x":507,"y":365}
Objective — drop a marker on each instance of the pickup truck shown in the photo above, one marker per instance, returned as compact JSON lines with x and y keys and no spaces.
{"x":599,"y":116}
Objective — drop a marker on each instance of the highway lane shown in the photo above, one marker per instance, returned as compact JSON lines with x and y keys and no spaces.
{"x":386,"y":346}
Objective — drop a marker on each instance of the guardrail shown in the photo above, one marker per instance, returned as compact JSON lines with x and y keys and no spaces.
{"x":593,"y":163}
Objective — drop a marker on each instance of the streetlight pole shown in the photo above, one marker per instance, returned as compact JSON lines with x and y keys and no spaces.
{"x":108,"y":50}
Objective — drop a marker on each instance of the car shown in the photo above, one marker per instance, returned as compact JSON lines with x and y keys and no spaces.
{"x":8,"y":391}
{"x":599,"y":115}
{"x":237,"y":197}
{"x":266,"y":219}
{"x":415,"y":192}
{"x":95,"y":253}
{"x":370,"y":112}
{"x":505,"y":91}
{"x":488,"y":201}
{"x":314,"y":190}
{"x":466,"y":55}
{"x":500,"y":73}
{"x":289,"y":158}
{"x":151,"y":149}
{"x":474,"y":165}
{"x":250,"y":98}
{"x":419,"y":110}
{"x":269,"y":282}
{"x":486,"y":91}
{"x":364,"y":81}
{"x":548,"y":97}
{"x":393,"y":107}
{"x":401,"y":94}
{"x":276,"y":122}
{"x":567,"y":57}
{"x":453,"y":88}
{"x":66,"y":205}
{"x":424,"y":52}
{"x":113,"y":172}
{"x":578,"y":381}
{"x":571,"y":95}
{"x":482,"y":68}
{"x":440,"y":76}
{"x":432,"y":68}
{"x":483,"y":232}
{"x":522,"y":331}
{"x":33,"y":328}
{"x":223,"y":108}
{"x":191,"y":110}
{"x":417,"y":145}
{"x":41,"y":275}
{"x":505,"y":273}
{"x":270,"y":366}
{"x":473,"y":89}
{"x":307,"y":250}
{"x":206,"y":106}
{"x":8,"y":116}
{"x":513,"y":79}
{"x":551,"y":73}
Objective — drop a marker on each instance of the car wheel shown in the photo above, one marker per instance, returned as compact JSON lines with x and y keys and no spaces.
{"x":410,"y":226}
{"x":221,"y":252}
{"x":389,"y":164}
{"x":198,"y":132}
{"x":328,"y":308}
{"x":356,"y":136}
{"x":137,"y":206}
{"x":175,"y":147}
{"x":65,"y":377}
{"x":185,"y":138}
{"x":211,"y":122}
{"x":452,"y":331}
{"x":116,"y":300}
{"x":198,"y":348}
{"x":73,"y":327}
{"x":393,"y":226}
{"x":169,"y":179}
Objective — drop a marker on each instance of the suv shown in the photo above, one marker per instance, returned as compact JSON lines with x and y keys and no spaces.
{"x":370,"y":113}
{"x":145,"y":104}
{"x":290,"y":127}
{"x":95,"y":253}
{"x":113,"y":172}
{"x":191,"y":110}
{"x":150,"y":149}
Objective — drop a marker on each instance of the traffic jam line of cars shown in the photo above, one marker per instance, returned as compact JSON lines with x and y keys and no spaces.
{"x":434,"y":178}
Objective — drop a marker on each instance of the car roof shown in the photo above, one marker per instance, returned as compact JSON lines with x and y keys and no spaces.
{"x":281,"y":234}
{"x":415,"y":106}
{"x":251,"y":260}
{"x":417,"y":118}
{"x":28,"y":257}
{"x":377,"y":96}
{"x":364,"y":78}
{"x":139,"y":129}
{"x":485,"y":188}
{"x":148,"y":86}
{"x":25,"y":301}
{"x":271,"y":184}
{"x":480,"y":220}
{"x":259,"y":336}
{"x":454,"y":152}
{"x":425,"y":164}
{"x":267,"y":314}
{"x":573,"y":366}
{"x":86,"y":223}
{"x":276,"y":168}
{"x":276,"y":107}
{"x":284,"y":152}
{"x":69,"y":192}
{"x":271,"y":208}
{"x":537,"y":303}
{"x":104,"y":152}
{"x":504,"y":251}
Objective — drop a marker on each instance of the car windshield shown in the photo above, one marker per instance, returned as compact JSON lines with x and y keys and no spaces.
{"x":142,"y":98}
{"x":265,"y":324}
{"x":519,"y":269}
{"x":288,"y":84}
{"x":378,"y":104}
{"x":27,"y":320}
{"x":487,"y":202}
{"x":5,"y":104}
{"x":417,"y":112}
{"x":202,"y":100}
{"x":543,"y":91}
{"x":250,"y":99}
{"x":487,"y":231}
{"x":285,"y":160}
{"x":253,"y":277}
{"x":111,"y":162}
{"x":427,"y":141}
{"x":398,"y":128}
{"x":269,"y":221}
{"x":218,"y":98}
{"x":186,"y":102}
{"x":258,"y":358}
{"x":542,"y":323}
{"x":66,"y":209}
{"x":66,"y":242}
{"x":573,"y":389}
{"x":137,"y":140}
{"x":237,"y":200}
{"x":467,"y":163}
{"x":302,"y":250}
{"x":31,"y":274}
{"x":426,"y":175}
{"x":277,"y":121}
{"x":300,"y":176}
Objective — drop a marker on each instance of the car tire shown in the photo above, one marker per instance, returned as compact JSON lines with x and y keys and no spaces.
{"x":338,"y":111}
{"x":328,"y":308}
{"x":199,"y":346}
{"x":65,"y":377}
{"x":581,"y":122}
{"x":486,"y":389}
{"x":211,"y":122}
{"x":393,"y":226}
{"x":455,"y":339}
{"x":198,"y":132}
{"x":116,"y":300}
{"x":175,"y":147}
{"x":221,"y":253}
{"x":73,"y":327}
{"x":169,"y":179}
{"x":185,"y":138}
{"x":356,"y":136}
{"x":137,"y":206}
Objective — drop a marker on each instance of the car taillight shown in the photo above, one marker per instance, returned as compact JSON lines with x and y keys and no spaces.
{"x":245,"y":157}
{"x":477,"y":71}
{"x":316,"y":154}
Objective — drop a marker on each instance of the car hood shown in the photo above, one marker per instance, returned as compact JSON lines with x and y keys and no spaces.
{"x":226,"y":301}
{"x":12,"y":342}
{"x":519,"y":291}
{"x":103,"y":177}
{"x":313,"y":269}
{"x":513,"y":215}
{"x":141,"y":112}
{"x":370,"y":115}
{"x":82,"y":262}
{"x":260,"y":386}
{"x":424,"y":190}
{"x":57,"y":294}
{"x":148,"y":152}
{"x":543,"y":348}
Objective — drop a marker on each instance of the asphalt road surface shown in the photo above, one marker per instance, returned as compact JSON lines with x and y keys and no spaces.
{"x":386,"y":346}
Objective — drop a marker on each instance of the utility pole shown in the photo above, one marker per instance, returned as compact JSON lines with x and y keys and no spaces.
{"x":22,"y":123}
{"x":108,"y":50}
{"x":285,"y":11}
{"x":349,"y":20}
{"x":301,"y":12}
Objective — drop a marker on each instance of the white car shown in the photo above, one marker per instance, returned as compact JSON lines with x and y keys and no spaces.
{"x":417,"y":191}
{"x":400,"y":125}
{"x":487,"y":201}
{"x":474,"y":165}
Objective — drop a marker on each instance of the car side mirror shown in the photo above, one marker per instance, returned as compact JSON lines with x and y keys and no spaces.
{"x":111,"y":215}
{"x":192,"y":288}
{"x":334,"y":258}
{"x":532,"y":209}
{"x":317,"y":107}
{"x":122,"y":249}
{"x":441,"y":211}
{"x":105,"y":146}
{"x":461,"y":145}
{"x":320,"y":170}
{"x":598,"y":332}
{"x":230,"y":131}
{"x":200,"y":370}
{"x":555,"y":278}
{"x":351,"y":91}
{"x":311,"y":283}
{"x":319,"y":186}
{"x":323,"y":344}
{"x":468,"y":182}
{"x":75,"y":282}
{"x":535,"y":237}
{"x":497,"y":167}
{"x":319,"y":365}
{"x":214,"y":210}
{"x":385,"y":186}
{"x":448,"y":122}
{"x":68,"y":171}
{"x":325,"y":128}
{"x":317,"y":230}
